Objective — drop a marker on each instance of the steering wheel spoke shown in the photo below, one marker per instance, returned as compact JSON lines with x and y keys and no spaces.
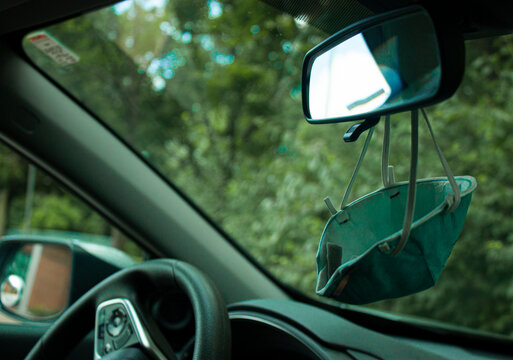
{"x":118,"y":326}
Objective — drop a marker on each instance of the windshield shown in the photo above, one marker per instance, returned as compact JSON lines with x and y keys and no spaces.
{"x":209,"y":93}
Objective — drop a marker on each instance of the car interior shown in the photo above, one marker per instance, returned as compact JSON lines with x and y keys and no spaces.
{"x":195,"y":293}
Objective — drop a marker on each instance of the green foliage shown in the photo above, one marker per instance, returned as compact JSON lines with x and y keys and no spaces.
{"x":212,"y":99}
{"x":62,"y":213}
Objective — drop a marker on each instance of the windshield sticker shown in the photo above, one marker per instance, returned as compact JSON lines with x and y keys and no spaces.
{"x":53,"y":48}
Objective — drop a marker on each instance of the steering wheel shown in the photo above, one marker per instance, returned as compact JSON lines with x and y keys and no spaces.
{"x":122,"y":304}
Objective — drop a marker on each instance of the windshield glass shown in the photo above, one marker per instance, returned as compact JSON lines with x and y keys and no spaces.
{"x":209,"y":92}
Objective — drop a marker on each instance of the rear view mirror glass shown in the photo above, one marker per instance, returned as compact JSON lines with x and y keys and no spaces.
{"x":373,"y":69}
{"x":36,"y":281}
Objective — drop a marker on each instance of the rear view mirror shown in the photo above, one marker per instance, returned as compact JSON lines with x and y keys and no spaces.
{"x":386,"y":64}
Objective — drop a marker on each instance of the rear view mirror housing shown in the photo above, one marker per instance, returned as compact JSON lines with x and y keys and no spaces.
{"x":41,"y":276}
{"x":394,"y":62}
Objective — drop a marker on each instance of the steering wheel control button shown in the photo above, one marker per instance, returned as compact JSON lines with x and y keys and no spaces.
{"x":122,"y":339}
{"x":116,"y":322}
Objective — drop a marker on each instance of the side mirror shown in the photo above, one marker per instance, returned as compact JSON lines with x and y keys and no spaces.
{"x":389,"y":63}
{"x":37,"y":280}
{"x":41,"y":276}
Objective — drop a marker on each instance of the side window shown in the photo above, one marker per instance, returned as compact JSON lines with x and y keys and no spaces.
{"x":33,"y":204}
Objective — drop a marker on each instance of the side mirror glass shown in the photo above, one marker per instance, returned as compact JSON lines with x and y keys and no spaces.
{"x":36,"y":283}
{"x":382,"y":65}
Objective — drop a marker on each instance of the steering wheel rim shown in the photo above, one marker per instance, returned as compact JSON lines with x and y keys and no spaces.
{"x":212,"y":339}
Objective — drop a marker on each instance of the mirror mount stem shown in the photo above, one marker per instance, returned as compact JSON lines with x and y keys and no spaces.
{"x":353,"y":133}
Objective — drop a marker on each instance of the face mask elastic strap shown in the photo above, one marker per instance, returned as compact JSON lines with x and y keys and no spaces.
{"x":357,"y":168}
{"x":412,"y":185}
{"x":387,"y":171}
{"x":454,"y":200}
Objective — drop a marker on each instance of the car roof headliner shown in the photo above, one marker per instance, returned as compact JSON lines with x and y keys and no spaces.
{"x":476,"y":18}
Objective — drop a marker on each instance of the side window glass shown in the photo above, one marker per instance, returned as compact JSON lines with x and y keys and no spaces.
{"x":33,"y":204}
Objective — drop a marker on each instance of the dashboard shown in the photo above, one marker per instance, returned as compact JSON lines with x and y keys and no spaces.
{"x":282,"y":329}
{"x":300,"y":331}
{"x":277,"y":329}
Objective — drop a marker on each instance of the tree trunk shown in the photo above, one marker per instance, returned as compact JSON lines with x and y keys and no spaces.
{"x":117,"y":240}
{"x":4,"y":202}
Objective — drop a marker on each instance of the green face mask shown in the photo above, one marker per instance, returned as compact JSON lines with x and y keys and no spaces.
{"x":394,"y":241}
